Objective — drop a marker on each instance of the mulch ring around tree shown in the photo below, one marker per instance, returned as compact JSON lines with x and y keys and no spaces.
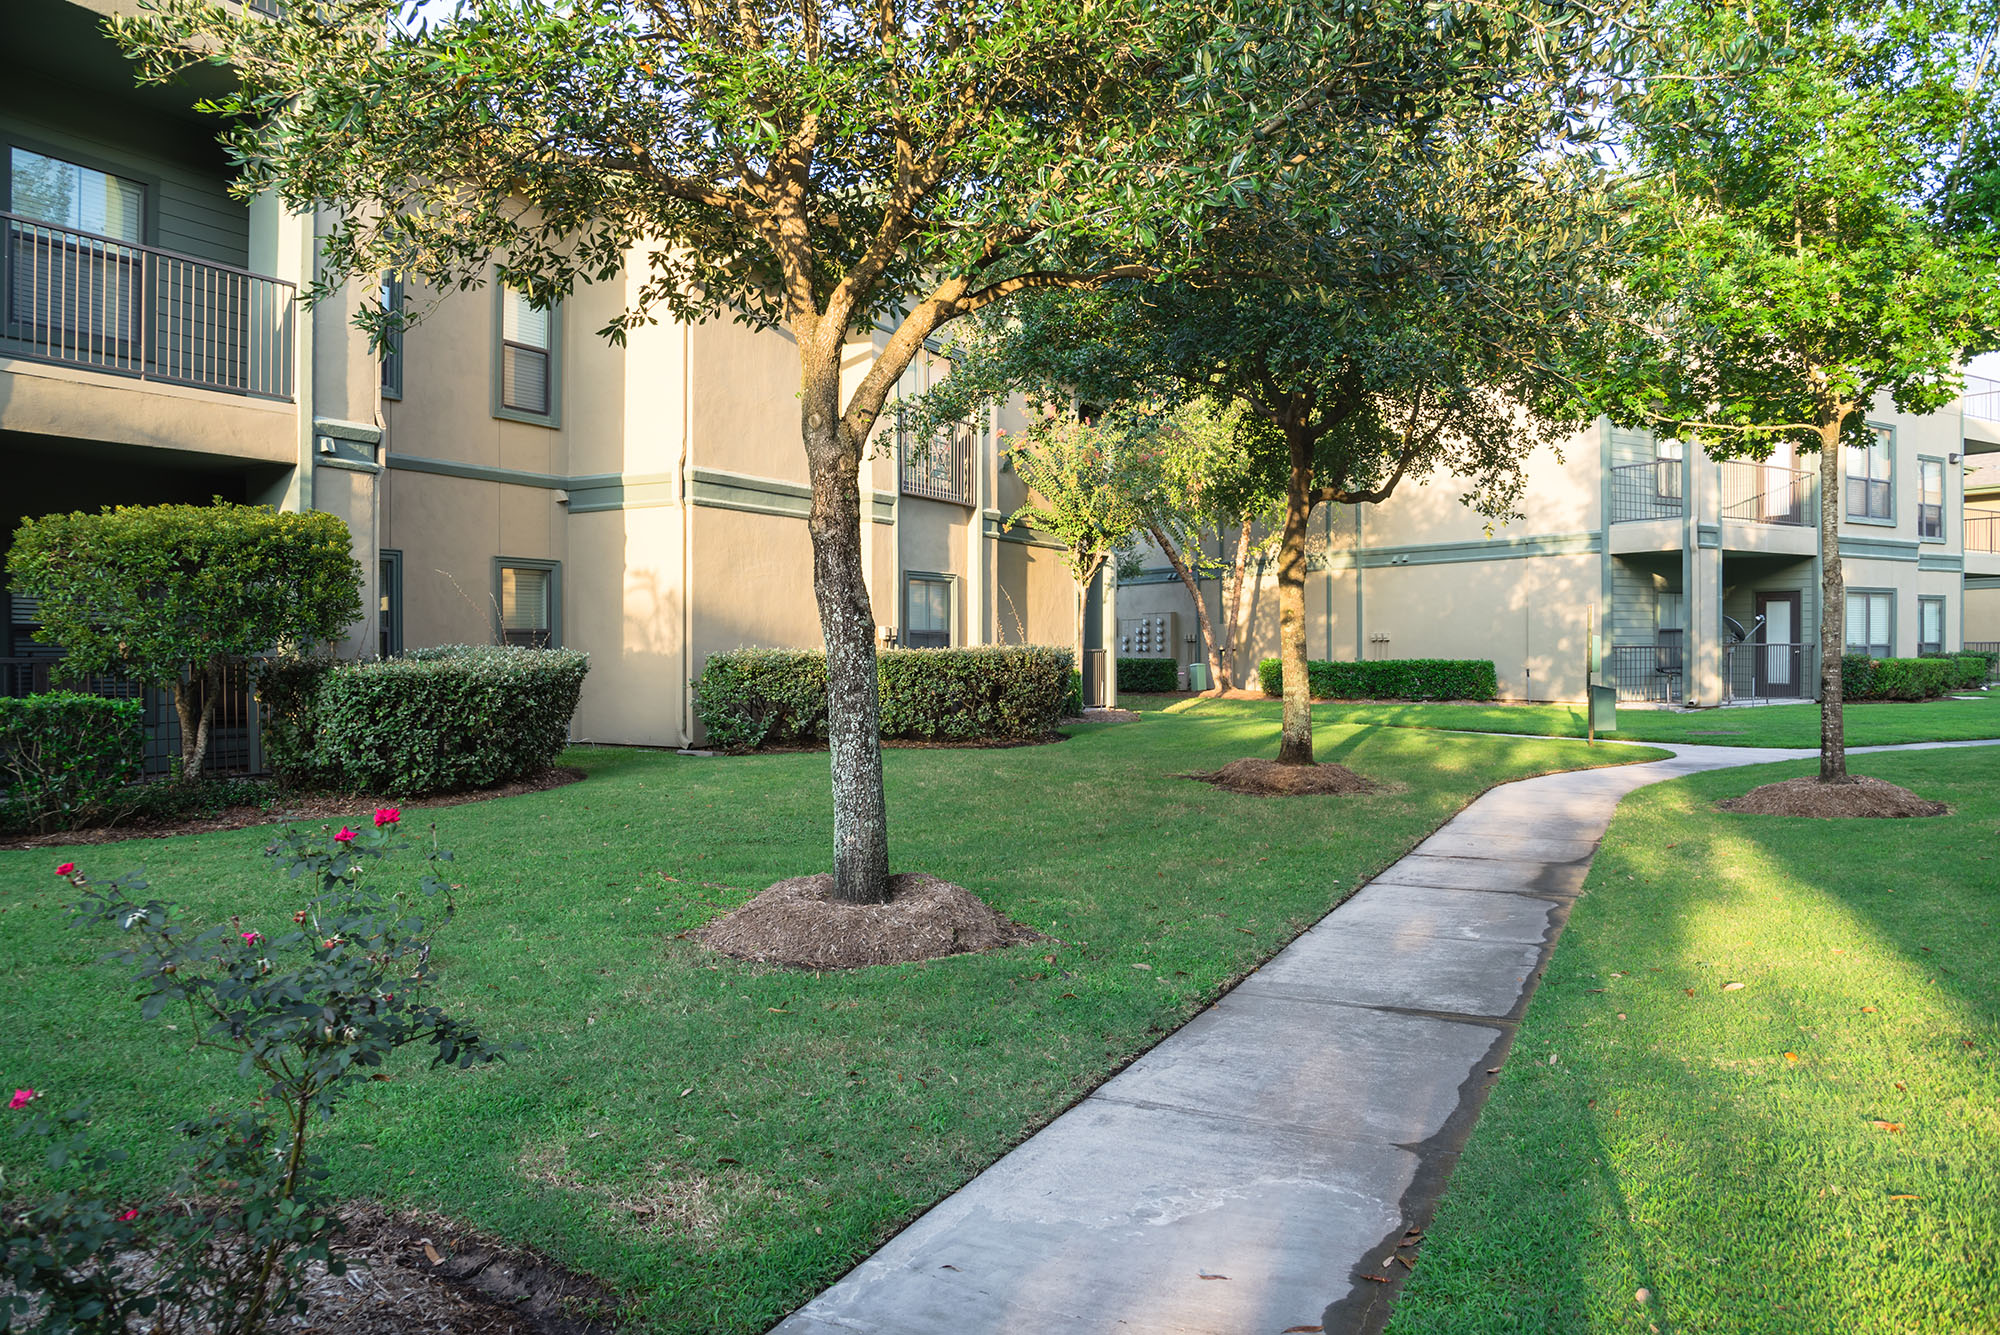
{"x":798,"y":923}
{"x":1858,"y":797}
{"x":290,"y":808}
{"x":1259,"y":777}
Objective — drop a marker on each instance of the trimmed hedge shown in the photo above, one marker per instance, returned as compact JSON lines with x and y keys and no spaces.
{"x":777,"y":697}
{"x":1148,"y":675}
{"x":1390,"y":679}
{"x":432,"y":721}
{"x":1865,"y":678}
{"x":63,"y":754}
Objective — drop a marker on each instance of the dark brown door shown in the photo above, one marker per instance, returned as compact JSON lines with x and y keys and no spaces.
{"x":1780,"y":656}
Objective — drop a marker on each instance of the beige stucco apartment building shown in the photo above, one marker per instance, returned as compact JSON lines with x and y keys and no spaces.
{"x":1671,"y":556}
{"x":507,"y":474}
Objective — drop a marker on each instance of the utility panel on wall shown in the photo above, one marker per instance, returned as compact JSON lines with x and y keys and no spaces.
{"x":1155,"y":636}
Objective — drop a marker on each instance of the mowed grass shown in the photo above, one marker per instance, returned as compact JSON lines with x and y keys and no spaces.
{"x":1816,"y":1151}
{"x":1881,"y":723}
{"x":718,"y":1140}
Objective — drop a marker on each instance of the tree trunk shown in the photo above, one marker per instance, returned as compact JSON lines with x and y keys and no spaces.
{"x":1832,"y":603}
{"x":194,"y":705}
{"x":1086,"y":575}
{"x":1295,"y":740}
{"x":853,"y":705}
{"x":1193,"y":587}
{"x":1232,"y":607}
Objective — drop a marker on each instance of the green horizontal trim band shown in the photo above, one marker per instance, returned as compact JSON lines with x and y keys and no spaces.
{"x":365,"y":432}
{"x":724,"y":490}
{"x":413,"y":463}
{"x":1458,"y":553}
{"x":1708,"y":535}
{"x":1982,"y":581}
{"x":346,"y":465}
{"x":1878,"y":549}
{"x":599,"y":493}
{"x":1939,"y":561}
{"x":997,"y":528}
{"x":1163,"y":575}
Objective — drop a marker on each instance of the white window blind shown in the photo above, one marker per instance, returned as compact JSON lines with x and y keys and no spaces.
{"x":524,"y":355}
{"x":68,"y":195}
{"x":1870,"y":624}
{"x":524,"y":606}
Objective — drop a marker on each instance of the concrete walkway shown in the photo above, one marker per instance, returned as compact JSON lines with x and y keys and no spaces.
{"x":1242,"y":1176}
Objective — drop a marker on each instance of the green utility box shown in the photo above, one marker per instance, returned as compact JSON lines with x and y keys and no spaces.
{"x":1604,"y":708}
{"x":1197,"y":676}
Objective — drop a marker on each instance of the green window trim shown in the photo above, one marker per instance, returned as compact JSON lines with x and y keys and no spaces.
{"x":392,"y":356}
{"x":1877,"y":494}
{"x":923,"y":592}
{"x":389,"y":602}
{"x":1931,"y":514}
{"x":553,"y":352}
{"x":548,"y":636}
{"x":1874,"y":648}
{"x":1926,"y":605}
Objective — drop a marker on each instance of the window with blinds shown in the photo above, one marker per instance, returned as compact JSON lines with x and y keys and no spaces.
{"x":927,"y":613}
{"x":72,"y":275}
{"x":527,"y":606}
{"x":527,"y":360}
{"x":1930,"y":625}
{"x":1930,"y":500}
{"x":1871,"y":624}
{"x":1871,"y":477}
{"x":392,"y":355}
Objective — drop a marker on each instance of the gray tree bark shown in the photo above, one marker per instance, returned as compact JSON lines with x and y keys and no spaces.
{"x":1833,"y":602}
{"x":1295,"y":742}
{"x":853,"y":704}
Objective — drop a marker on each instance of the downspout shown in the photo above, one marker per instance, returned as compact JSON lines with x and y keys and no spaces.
{"x":687,"y":535}
{"x":1360,"y":603}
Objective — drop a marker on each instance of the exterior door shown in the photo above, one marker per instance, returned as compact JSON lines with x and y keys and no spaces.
{"x":1778,"y":657}
{"x":1783,"y":499}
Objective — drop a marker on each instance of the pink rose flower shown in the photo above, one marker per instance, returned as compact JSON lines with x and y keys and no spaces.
{"x":66,"y":869}
{"x":346,"y":836}
{"x":329,"y":944}
{"x":22,"y":1098}
{"x":128,"y":1216}
{"x":387,"y":816}
{"x":252,"y":938}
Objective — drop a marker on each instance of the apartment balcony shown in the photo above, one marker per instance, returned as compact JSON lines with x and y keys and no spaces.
{"x":1761,"y":507}
{"x":1982,"y":540}
{"x":113,"y":341}
{"x":1981,"y":415}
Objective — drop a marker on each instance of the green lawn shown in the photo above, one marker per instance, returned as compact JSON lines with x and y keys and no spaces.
{"x":1878,"y":724}
{"x":720,"y":1140}
{"x":1721,"y":1148}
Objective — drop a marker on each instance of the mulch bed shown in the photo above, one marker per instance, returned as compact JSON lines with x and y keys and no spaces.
{"x":290,"y":808}
{"x":1267,"y":778}
{"x":796,"y":923}
{"x":423,"y":1273}
{"x":1858,"y":797}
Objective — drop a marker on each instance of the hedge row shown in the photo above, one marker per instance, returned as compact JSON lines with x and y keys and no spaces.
{"x":777,"y":697}
{"x":1865,"y":678}
{"x":63,"y":754}
{"x":1148,"y":675}
{"x":432,"y":721}
{"x":1390,"y":679}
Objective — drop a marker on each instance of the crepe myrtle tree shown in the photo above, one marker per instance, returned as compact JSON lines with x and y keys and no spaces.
{"x":1815,"y":232}
{"x":1080,"y":473}
{"x":172,"y":595}
{"x":841,"y":172}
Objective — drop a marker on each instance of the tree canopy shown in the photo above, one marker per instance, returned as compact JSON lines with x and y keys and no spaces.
{"x":168,"y":595}
{"x":1814,"y":230}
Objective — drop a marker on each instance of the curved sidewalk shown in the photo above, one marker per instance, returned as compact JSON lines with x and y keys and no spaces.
{"x":1247,"y":1173}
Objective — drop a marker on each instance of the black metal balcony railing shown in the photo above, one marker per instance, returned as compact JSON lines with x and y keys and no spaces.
{"x":1646,"y":673}
{"x":1765,"y":493}
{"x":941,"y":471}
{"x":1982,"y":529}
{"x":1646,"y":491}
{"x":88,"y":300}
{"x":1753,"y":670}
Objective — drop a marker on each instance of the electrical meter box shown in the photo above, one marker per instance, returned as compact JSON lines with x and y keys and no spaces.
{"x":1157,"y":635}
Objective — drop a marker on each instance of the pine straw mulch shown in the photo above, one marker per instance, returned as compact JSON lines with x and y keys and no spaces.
{"x":290,"y":808}
{"x":1259,"y":777}
{"x":1858,"y":797}
{"x":796,"y":923}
